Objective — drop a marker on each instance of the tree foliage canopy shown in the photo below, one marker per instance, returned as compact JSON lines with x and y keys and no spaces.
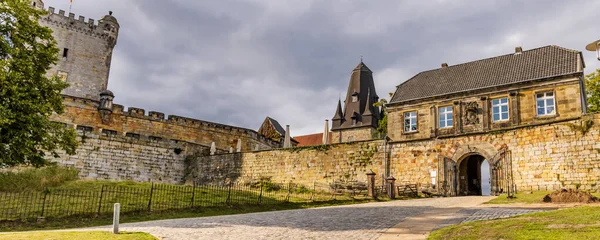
{"x":27,"y":96}
{"x":592,"y":85}
{"x":382,"y":127}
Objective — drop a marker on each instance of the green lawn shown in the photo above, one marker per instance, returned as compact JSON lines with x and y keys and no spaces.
{"x":533,"y":197}
{"x":98,"y":197}
{"x":568,"y":224}
{"x":85,"y":203}
{"x":95,"y":235}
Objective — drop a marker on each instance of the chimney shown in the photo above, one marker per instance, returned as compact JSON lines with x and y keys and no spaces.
{"x":444,"y":65}
{"x":518,"y":50}
{"x":287,"y":142}
{"x":326,"y":133}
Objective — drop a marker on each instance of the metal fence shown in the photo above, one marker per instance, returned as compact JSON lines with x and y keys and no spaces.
{"x":58,"y":203}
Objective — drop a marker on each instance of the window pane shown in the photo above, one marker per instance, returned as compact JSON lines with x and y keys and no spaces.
{"x":504,"y":108}
{"x":504,"y":116}
{"x":540,"y":95}
{"x":406,"y":115}
{"x":442,"y":124}
{"x":540,"y":111}
{"x":495,"y":101}
{"x":504,"y":100}
{"x":550,"y":110}
{"x":540,"y":103}
{"x":450,"y":123}
{"x":414,"y":128}
{"x":496,"y":117}
{"x":549,"y":94}
{"x":406,"y":128}
{"x":495,"y":109}
{"x":442,"y":117}
{"x":449,"y":116}
{"x":549,"y":102}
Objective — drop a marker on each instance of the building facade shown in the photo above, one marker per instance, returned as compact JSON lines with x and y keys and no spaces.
{"x":523,"y":89}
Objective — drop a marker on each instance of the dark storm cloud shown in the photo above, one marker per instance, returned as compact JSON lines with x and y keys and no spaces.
{"x":236,"y":62}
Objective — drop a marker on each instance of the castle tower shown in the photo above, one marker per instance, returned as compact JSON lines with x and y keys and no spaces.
{"x":37,"y":4}
{"x":85,"y":50}
{"x":359,"y":118}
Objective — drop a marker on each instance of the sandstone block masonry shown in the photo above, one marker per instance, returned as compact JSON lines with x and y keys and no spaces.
{"x":117,"y":157}
{"x":544,"y":157}
{"x":84,"y":113}
{"x":85,"y":51}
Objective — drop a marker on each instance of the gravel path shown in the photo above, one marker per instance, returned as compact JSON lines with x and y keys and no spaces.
{"x":359,"y":221}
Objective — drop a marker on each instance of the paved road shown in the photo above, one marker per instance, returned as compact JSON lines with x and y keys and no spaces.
{"x":385,"y":220}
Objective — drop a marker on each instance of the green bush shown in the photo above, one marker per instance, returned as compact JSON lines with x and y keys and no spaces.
{"x":36,"y":179}
{"x":302,"y":189}
{"x":270,"y":186}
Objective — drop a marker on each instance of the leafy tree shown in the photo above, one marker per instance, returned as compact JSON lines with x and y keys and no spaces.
{"x":27,"y":96}
{"x":592,"y":85}
{"x":382,"y":128}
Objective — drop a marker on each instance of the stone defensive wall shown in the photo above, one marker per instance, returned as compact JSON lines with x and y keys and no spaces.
{"x":108,"y":156}
{"x":544,"y":156}
{"x":83,"y":113}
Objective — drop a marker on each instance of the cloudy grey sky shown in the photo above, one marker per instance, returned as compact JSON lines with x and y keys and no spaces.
{"x":236,"y":62}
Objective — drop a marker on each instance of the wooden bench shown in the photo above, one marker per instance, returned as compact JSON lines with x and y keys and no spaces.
{"x":408,"y":190}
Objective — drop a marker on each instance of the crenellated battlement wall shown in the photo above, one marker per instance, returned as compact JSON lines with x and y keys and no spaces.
{"x":84,"y":112}
{"x":79,"y":24}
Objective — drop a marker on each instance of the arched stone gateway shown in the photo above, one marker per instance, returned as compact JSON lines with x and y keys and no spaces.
{"x":459,"y":169}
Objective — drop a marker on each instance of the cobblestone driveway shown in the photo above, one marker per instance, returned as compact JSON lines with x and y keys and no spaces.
{"x":359,"y":221}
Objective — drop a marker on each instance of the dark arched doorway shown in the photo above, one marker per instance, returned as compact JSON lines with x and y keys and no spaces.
{"x":470,"y":175}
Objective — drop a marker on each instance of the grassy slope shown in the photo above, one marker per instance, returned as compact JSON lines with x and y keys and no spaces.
{"x":208,"y":202}
{"x":76,"y":236}
{"x":534,"y":197}
{"x":573,"y":223}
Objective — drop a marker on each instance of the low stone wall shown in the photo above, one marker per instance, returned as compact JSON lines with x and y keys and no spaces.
{"x":548,"y":156}
{"x":117,"y":157}
{"x":304,"y":165}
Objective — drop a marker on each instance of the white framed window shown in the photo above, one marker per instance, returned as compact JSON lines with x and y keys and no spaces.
{"x":500,"y":109}
{"x":446,"y":119}
{"x":545,"y":104}
{"x":410,"y":122}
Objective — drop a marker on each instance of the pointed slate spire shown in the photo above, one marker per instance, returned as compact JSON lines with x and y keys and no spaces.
{"x":338,"y":112}
{"x":369,"y":105}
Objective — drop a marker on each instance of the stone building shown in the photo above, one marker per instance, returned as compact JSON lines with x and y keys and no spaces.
{"x":86,"y":49}
{"x":118,"y":143}
{"x":358,"y":119}
{"x":271,"y":129}
{"x":525,"y":88}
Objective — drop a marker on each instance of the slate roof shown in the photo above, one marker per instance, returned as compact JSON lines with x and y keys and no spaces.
{"x":277,"y":126}
{"x":538,"y":63}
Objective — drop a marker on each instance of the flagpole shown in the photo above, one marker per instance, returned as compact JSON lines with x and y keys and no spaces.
{"x":70,"y":5}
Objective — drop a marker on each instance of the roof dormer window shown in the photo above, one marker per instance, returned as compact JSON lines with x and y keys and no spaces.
{"x":355,"y":97}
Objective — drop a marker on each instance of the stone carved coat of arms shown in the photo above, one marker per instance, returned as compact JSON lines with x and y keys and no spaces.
{"x":471,"y":110}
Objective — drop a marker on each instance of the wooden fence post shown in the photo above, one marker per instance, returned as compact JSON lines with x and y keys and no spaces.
{"x":44,"y":202}
{"x":100,"y":202}
{"x":260,"y":195}
{"x":193,"y":193}
{"x":150,"y":200}
{"x":229,"y":194}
